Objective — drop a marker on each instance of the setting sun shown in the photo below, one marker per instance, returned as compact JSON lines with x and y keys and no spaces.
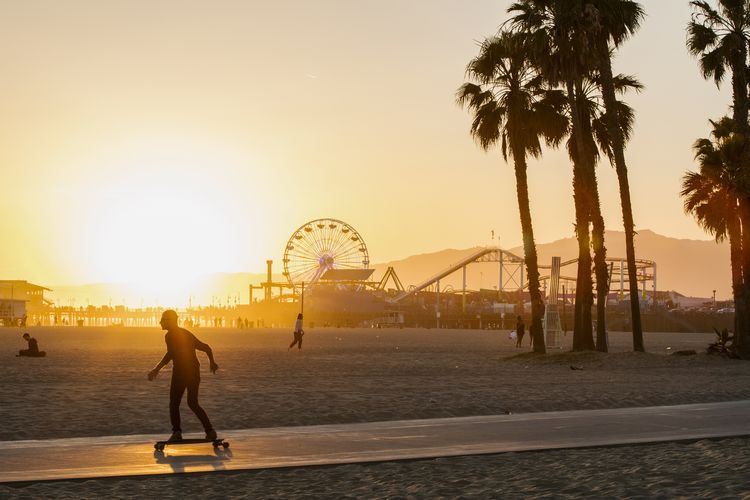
{"x":164,"y":215}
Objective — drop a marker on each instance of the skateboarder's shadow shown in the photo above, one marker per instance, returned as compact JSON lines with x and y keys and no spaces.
{"x":178,"y":463}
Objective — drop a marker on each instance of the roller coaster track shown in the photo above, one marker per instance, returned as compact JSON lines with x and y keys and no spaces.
{"x":483,"y":255}
{"x":494,"y":254}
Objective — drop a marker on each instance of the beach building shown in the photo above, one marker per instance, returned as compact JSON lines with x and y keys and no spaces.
{"x":12,"y":312}
{"x":32,"y":295}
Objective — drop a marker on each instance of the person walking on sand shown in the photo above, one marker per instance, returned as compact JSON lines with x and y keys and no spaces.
{"x":520,"y":331}
{"x":298,"y":333}
{"x":181,"y":347}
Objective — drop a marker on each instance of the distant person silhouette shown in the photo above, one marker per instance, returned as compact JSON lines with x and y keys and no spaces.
{"x":298,"y":333}
{"x":520,"y":331}
{"x":33,"y":350}
{"x":181,"y":347}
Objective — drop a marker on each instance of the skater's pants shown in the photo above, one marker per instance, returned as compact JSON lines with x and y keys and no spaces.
{"x":191,"y":382}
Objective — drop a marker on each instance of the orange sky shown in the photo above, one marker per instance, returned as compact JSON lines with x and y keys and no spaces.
{"x":156,"y":140}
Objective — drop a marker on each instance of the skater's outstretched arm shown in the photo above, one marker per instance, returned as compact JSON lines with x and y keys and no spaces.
{"x":164,"y":361}
{"x":207,"y":349}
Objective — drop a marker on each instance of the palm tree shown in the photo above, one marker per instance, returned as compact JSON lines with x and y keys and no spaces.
{"x":549,"y":28}
{"x":584,"y":178}
{"x":611,"y":22}
{"x":720,"y":37}
{"x":512,"y":106}
{"x":595,"y":119}
{"x":555,"y":29}
{"x":712,"y":195}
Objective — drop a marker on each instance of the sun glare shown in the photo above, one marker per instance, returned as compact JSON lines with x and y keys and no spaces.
{"x":160,"y":224}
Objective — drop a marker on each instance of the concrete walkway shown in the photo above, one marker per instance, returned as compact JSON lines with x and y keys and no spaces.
{"x":110,"y":456}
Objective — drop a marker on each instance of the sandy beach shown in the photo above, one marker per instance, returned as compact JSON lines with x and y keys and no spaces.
{"x":93,"y":383}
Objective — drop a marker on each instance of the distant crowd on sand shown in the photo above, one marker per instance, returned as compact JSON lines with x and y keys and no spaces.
{"x":220,"y":322}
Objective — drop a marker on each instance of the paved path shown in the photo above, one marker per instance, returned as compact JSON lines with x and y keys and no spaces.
{"x":79,"y":458}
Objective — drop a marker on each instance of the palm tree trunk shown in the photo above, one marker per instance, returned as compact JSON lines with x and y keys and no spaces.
{"x":618,"y":147}
{"x":740,"y":106}
{"x":582,"y":336}
{"x":583,"y":339}
{"x":740,"y":99}
{"x":597,"y":226}
{"x":529,"y":248}
{"x":600,"y":269}
{"x":741,"y":276}
{"x":735,"y":256}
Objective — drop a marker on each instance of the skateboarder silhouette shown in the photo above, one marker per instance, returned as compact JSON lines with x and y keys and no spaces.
{"x":181,"y":347}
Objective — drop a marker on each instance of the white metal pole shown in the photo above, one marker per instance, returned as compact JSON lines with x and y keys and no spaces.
{"x":501,"y":269}
{"x":500,"y":273}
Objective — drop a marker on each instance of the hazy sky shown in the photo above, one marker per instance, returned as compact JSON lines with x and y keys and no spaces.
{"x":145,"y":140}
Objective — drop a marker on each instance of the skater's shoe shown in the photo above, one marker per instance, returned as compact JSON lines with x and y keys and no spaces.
{"x":211,"y":435}
{"x":176,"y":436}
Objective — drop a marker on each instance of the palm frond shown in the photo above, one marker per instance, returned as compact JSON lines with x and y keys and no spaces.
{"x":624,"y":83}
{"x":487,"y":124}
{"x":700,"y":38}
{"x":711,"y":195}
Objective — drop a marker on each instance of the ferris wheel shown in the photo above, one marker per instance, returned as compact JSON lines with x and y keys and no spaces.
{"x":320,"y":245}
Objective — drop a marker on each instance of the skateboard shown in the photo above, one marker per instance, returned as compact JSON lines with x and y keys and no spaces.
{"x":159,"y":445}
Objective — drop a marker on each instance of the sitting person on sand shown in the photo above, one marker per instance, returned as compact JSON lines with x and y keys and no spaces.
{"x":33,"y":349}
{"x":298,"y":333}
{"x":181,"y":347}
